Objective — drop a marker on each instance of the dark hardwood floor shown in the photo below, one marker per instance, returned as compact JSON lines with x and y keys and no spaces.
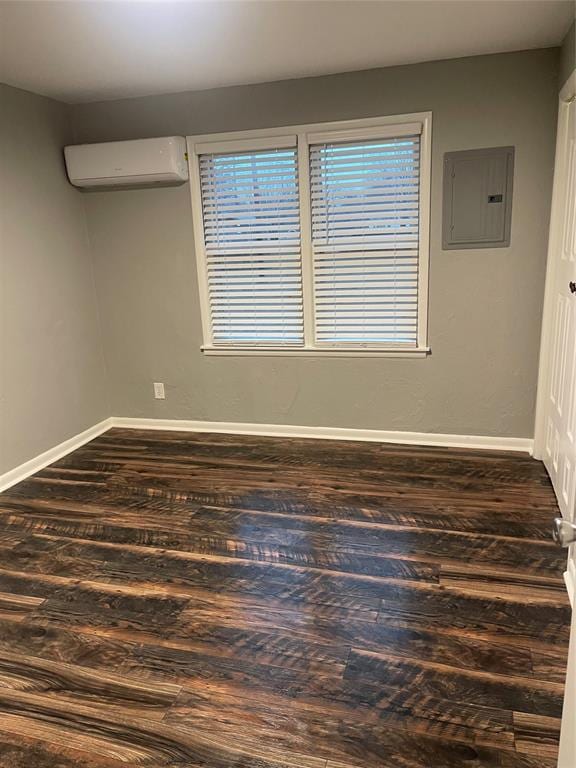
{"x":172,"y":599}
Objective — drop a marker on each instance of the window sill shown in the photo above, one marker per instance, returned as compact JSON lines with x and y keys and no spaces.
{"x":315,"y":352}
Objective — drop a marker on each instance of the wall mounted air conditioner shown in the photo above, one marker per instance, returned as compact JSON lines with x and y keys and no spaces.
{"x":139,"y":163}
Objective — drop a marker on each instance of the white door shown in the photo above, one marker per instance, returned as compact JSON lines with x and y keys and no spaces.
{"x":555,"y":440}
{"x":556,"y":437}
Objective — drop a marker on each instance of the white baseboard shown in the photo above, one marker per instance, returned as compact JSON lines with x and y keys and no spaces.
{"x":570,"y":580}
{"x":331,"y":433}
{"x":16,"y":475}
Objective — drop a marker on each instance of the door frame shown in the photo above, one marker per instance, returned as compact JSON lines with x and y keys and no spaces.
{"x":566,"y":96}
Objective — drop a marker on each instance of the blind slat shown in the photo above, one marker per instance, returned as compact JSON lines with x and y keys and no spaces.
{"x":290,"y":249}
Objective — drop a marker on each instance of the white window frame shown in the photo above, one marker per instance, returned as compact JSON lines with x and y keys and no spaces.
{"x":303,"y":136}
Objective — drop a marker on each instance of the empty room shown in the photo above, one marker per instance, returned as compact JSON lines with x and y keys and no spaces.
{"x":287,"y":384}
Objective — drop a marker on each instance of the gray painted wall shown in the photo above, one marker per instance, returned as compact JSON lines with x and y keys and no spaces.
{"x":52,"y":383}
{"x":485,"y":305}
{"x":568,"y":54}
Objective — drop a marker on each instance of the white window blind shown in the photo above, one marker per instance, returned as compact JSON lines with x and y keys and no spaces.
{"x":251,"y":218}
{"x":365,"y":241}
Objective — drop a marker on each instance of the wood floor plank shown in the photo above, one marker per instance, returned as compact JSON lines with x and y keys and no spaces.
{"x":514,"y":693}
{"x":527,"y":588}
{"x":458,"y":650}
{"x":181,"y":600}
{"x":143,"y":742}
{"x":550,"y":663}
{"x":297,"y":710}
{"x":504,"y":760}
{"x":378,"y":744}
{"x":536,"y":734}
{"x":101,"y":688}
{"x":21,"y":605}
{"x":23,"y":751}
{"x":168,"y":660}
{"x":86,"y":650}
{"x":502,"y":617}
{"x":87,"y":606}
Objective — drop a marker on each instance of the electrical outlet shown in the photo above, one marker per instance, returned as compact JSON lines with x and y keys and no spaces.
{"x":159,"y":393}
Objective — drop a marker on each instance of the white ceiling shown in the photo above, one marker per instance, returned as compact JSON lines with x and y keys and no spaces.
{"x":77,"y":50}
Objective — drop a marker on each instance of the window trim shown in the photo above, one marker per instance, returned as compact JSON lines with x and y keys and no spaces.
{"x":306,"y":135}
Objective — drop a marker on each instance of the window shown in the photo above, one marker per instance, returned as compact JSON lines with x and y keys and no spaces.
{"x":314,"y":240}
{"x":251,"y":215}
{"x":365,"y":241}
